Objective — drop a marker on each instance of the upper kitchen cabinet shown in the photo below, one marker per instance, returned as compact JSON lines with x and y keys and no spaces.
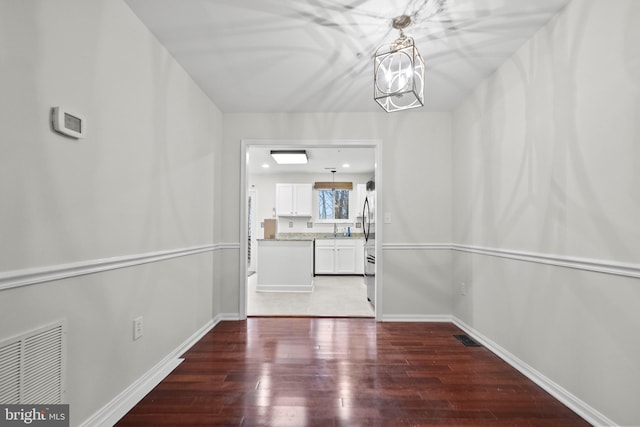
{"x":293,"y":200}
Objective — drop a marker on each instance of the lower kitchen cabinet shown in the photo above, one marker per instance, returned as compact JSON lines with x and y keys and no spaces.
{"x":296,"y":276}
{"x":339,"y":256}
{"x":345,"y":256}
{"x":325,"y":257}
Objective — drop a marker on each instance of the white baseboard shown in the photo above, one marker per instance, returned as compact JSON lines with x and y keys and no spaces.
{"x":227,"y":316}
{"x":416,"y":318}
{"x":585,"y":411}
{"x":109,"y":414}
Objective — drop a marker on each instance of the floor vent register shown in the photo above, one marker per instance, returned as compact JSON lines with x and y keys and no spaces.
{"x":467,"y":341}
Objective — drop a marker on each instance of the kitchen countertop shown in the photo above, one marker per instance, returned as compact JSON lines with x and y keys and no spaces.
{"x":313,"y":236}
{"x":286,"y":240}
{"x":340,"y":236}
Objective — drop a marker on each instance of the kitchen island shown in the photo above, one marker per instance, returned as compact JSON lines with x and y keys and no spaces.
{"x":285,"y":265}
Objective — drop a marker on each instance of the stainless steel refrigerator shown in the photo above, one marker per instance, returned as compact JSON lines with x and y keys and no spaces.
{"x":369,"y":226}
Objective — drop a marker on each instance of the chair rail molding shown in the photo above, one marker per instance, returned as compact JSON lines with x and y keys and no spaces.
{"x":586,"y":264}
{"x":594,"y":265}
{"x":33,"y":276}
{"x":416,"y":246}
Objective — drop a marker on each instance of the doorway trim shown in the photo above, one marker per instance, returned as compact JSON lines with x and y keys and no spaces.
{"x":254,"y":224}
{"x":246,"y":144}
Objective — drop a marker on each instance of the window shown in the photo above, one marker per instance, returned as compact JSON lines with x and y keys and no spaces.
{"x":333,"y":204}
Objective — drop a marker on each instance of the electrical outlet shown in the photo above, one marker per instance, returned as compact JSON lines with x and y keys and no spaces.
{"x":137,"y":328}
{"x":290,"y":224}
{"x":387,"y":218}
{"x":463,"y":288}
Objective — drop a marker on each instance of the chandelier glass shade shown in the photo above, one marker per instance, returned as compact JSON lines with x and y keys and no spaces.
{"x":399,"y":75}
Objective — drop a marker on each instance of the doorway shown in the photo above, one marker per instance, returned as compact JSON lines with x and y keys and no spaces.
{"x":328,"y":290}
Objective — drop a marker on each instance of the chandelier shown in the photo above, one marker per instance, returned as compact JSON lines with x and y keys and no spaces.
{"x":399,"y":72}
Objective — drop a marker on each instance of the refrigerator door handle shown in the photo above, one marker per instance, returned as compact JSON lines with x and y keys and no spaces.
{"x":366,"y":223}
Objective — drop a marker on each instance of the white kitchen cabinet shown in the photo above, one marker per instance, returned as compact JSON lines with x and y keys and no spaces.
{"x":296,"y":276}
{"x":325,"y":257}
{"x":339,"y":256}
{"x":284,"y":199}
{"x":302,"y":198}
{"x":293,"y":199}
{"x":345,"y":257}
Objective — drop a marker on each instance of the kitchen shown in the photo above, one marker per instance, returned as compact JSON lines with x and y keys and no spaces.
{"x":306,"y":234}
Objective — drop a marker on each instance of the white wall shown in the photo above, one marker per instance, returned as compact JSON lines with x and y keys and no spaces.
{"x":547,"y":162}
{"x":416,"y":190}
{"x":142,"y":181}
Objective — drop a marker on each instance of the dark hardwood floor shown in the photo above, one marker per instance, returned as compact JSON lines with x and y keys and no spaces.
{"x":344,"y":372}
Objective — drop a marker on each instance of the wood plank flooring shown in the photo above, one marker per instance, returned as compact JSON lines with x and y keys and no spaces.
{"x":344,"y":372}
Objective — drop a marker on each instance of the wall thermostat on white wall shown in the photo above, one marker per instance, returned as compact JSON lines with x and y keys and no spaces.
{"x":68,"y":123}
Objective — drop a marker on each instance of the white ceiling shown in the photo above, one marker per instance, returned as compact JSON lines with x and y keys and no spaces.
{"x":321,"y":161}
{"x":316,"y":55}
{"x":270,"y":56}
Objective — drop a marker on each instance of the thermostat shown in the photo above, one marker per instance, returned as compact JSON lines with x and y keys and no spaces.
{"x":68,"y":123}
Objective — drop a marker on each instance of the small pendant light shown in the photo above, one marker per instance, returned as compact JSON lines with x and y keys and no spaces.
{"x":399,"y":72}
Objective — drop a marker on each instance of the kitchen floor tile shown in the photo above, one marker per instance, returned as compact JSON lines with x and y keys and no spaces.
{"x":337,"y":296}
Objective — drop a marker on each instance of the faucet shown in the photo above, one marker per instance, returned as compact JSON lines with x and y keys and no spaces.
{"x":335,"y":229}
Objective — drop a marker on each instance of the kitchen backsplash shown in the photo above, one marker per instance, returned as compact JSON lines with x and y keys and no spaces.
{"x":304,"y":225}
{"x":307,"y":236}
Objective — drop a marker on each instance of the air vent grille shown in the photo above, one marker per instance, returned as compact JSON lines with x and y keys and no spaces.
{"x":32,"y":367}
{"x":467,"y":341}
{"x":10,"y":373}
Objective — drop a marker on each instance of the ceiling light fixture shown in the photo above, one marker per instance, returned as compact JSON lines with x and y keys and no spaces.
{"x":290,"y":157}
{"x":399,"y":72}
